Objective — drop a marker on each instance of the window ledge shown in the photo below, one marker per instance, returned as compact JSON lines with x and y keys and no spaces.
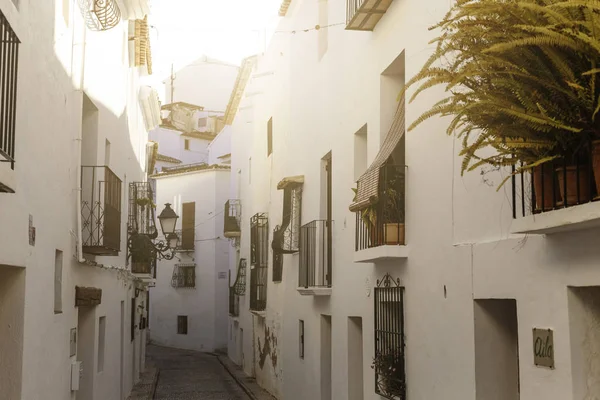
{"x":314,"y":291}
{"x":381,"y":253}
{"x":583,"y":216}
{"x":260,"y":314}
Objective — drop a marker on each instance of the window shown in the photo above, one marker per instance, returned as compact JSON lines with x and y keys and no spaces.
{"x":270,"y":136}
{"x":58,"y":264}
{"x":188,"y":225}
{"x":182,"y":324}
{"x":186,"y":144}
{"x":184,"y":276}
{"x":301,"y":338}
{"x":9,"y":47}
{"x":259,"y":256}
{"x":202,"y":122}
{"x":101,"y":342}
{"x":390,"y":380}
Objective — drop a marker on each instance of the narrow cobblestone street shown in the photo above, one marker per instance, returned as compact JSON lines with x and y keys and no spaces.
{"x":190,"y":375}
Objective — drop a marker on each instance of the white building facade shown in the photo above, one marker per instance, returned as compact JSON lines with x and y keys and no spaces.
{"x":469,"y":300}
{"x":72,"y":312}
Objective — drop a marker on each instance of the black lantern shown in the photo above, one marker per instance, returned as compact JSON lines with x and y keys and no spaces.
{"x":168,"y":219}
{"x":143,"y":249}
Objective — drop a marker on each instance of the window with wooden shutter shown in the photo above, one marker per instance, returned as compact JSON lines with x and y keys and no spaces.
{"x":188,"y":223}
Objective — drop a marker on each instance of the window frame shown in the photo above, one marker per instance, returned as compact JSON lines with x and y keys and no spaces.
{"x":182,"y":324}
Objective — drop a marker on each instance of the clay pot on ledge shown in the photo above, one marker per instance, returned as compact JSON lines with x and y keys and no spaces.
{"x":546,"y":176}
{"x":571,"y":180}
{"x":394,"y":233}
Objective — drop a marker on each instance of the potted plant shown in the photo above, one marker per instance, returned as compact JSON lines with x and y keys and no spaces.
{"x":145,"y":201}
{"x":389,"y":367}
{"x":522,"y":87}
{"x":393,"y":205}
{"x":368,"y":216}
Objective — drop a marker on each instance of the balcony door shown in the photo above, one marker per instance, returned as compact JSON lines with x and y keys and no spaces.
{"x":326,"y":209}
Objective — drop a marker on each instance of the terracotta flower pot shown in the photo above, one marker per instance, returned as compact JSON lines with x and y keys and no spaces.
{"x":571,"y":178}
{"x":394,"y":233}
{"x":547,"y":178}
{"x":596,"y":164}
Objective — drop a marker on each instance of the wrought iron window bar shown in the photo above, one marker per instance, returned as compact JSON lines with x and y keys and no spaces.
{"x":232,"y":218}
{"x":389,"y":362}
{"x":240,"y":281}
{"x":384,"y":222}
{"x":100,"y":15}
{"x":259,"y":253}
{"x":100,"y":210}
{"x":9,"y":63}
{"x":556,"y":185}
{"x":142,"y":209}
{"x":314,"y":261}
{"x":184,"y":276}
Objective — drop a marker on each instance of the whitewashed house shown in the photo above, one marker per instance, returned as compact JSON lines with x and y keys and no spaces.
{"x":73,"y":133}
{"x":471,"y":299}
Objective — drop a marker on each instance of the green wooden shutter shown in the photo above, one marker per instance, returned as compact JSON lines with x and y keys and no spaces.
{"x":188,"y":223}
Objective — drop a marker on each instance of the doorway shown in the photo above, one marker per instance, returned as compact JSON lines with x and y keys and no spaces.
{"x":86,"y":329}
{"x":325,"y":357}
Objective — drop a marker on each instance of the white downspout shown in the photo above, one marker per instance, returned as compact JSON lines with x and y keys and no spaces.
{"x":79,"y":139}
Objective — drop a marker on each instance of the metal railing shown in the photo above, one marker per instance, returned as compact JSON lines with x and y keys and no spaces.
{"x":141,"y":209}
{"x":556,"y":185}
{"x":100,"y":15}
{"x":100,"y":210}
{"x":232,"y":218}
{"x":259,"y":257}
{"x":234,"y":303}
{"x":184,"y":277}
{"x":315,"y":255}
{"x":9,"y":62}
{"x":144,"y":267}
{"x":383,"y":223}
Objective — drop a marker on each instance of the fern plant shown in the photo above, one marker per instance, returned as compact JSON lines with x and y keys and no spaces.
{"x":521,"y":78}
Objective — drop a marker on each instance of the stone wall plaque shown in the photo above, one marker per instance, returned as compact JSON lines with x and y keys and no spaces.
{"x":543,"y":347}
{"x":87,"y":296}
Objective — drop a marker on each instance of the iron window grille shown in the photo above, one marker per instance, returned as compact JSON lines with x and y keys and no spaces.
{"x":285,"y":236}
{"x":383,"y":223}
{"x":259,"y":250}
{"x":182,"y":325}
{"x":234,"y":303}
{"x":556,"y":185}
{"x":232,"y":218}
{"x":100,"y":15}
{"x":184,"y":276}
{"x":100,"y":210}
{"x":239,"y":285}
{"x":9,"y":63}
{"x":314,"y":261}
{"x":389,"y":363}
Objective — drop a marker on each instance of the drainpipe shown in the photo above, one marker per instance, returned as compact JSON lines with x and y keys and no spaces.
{"x":79,"y":139}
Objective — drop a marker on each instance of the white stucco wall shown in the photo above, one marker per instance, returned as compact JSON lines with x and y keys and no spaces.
{"x":52,"y":75}
{"x":171,"y":143}
{"x":206,"y":304}
{"x":457,"y":226}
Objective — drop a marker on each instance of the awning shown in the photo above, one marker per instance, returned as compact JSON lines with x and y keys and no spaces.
{"x":368,"y":183}
{"x":290,"y":181}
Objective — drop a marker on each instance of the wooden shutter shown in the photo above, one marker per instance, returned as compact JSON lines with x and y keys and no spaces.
{"x":132,"y":318}
{"x":188,"y":223}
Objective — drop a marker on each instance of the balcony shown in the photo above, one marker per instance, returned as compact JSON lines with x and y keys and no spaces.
{"x":363,"y":15}
{"x":9,"y":48}
{"x":556,"y":197}
{"x":100,"y":15}
{"x":259,"y":258}
{"x":314,"y":272}
{"x":234,"y":303}
{"x":380,"y":226}
{"x":233,"y":214}
{"x":141,"y":209}
{"x":100,"y":211}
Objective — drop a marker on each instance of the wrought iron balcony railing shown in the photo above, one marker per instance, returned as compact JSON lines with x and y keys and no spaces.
{"x":556,"y":185}
{"x":363,"y":15}
{"x":383,"y":223}
{"x":9,"y":62}
{"x":144,"y":267}
{"x":234,"y":303}
{"x":240,"y":281}
{"x":259,"y":252}
{"x":233,"y":213}
{"x":100,"y":210}
{"x":141,"y":209}
{"x":100,"y":15}
{"x":315,"y":255}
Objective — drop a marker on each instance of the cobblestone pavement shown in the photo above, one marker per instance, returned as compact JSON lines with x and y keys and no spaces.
{"x":190,"y":375}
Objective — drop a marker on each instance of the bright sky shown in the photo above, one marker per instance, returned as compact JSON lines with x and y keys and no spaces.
{"x":228,"y":30}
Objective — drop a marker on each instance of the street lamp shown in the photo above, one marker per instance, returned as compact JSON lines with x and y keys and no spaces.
{"x":142,"y":249}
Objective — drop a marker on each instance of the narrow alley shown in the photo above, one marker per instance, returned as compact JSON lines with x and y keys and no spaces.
{"x":187,"y":375}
